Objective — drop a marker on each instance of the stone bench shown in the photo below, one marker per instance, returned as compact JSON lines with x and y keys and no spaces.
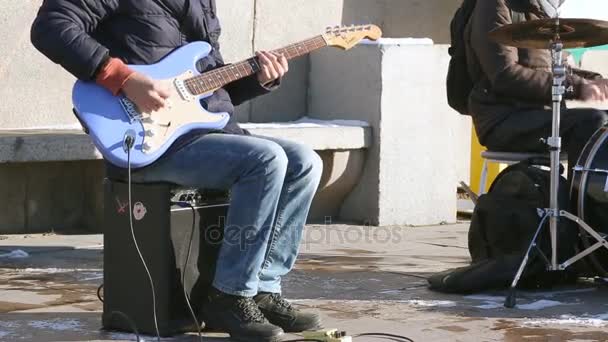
{"x":51,"y":175}
{"x":421,"y":147}
{"x":70,"y":143}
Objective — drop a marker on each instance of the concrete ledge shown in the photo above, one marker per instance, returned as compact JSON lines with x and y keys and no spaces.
{"x":52,"y":176}
{"x":71,"y":144}
{"x":38,"y":145}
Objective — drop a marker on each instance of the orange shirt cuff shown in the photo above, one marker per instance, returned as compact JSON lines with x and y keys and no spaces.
{"x":113,"y":75}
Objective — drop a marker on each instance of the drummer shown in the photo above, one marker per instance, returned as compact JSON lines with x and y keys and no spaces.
{"x":511,"y":100}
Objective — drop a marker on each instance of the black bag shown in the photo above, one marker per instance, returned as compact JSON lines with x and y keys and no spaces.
{"x":459,"y":83}
{"x":503,"y":224}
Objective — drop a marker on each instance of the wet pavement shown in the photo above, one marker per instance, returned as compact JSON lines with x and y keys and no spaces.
{"x":361,"y":279}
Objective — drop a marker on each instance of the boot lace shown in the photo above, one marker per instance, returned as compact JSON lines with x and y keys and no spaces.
{"x":249,"y":310}
{"x":281,"y":302}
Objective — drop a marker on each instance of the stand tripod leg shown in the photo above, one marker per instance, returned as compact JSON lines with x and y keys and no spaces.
{"x":601,"y":242}
{"x":511,"y":299}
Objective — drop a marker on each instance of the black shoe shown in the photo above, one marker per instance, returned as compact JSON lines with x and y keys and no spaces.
{"x":240,"y":317}
{"x":279,"y":312}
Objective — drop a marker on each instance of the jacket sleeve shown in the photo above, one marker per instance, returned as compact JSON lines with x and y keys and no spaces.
{"x":501,"y":63}
{"x":244,"y":89}
{"x":61,"y":31}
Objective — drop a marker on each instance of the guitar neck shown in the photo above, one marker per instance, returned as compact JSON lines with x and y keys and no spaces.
{"x":219,"y":77}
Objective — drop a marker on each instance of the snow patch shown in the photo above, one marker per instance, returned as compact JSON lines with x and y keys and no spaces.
{"x":540,"y":304}
{"x":16,"y":254}
{"x":56,"y":324}
{"x":398,"y":41}
{"x":486,"y":298}
{"x":489,"y":305}
{"x":306,"y":122}
{"x":597,"y":321}
{"x":8,"y":325}
{"x":58,"y":270}
{"x":431,"y":303}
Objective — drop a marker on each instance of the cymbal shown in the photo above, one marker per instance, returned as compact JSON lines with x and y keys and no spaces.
{"x":538,"y":34}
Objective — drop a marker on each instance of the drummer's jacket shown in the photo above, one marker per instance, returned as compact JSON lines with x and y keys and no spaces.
{"x":508,"y":79}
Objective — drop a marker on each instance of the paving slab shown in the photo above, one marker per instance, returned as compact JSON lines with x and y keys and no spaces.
{"x":360,"y":279}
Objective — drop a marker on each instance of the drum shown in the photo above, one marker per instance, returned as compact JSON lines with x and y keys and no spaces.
{"x":589,"y":198}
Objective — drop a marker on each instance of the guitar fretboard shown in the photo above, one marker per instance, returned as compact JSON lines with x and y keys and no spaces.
{"x":219,"y":77}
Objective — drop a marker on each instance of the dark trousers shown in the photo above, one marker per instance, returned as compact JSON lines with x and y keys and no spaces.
{"x":522,"y":131}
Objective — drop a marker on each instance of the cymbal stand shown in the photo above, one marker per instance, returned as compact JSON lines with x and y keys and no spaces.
{"x":554,"y":213}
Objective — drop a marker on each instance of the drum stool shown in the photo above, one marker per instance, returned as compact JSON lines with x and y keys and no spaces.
{"x":506,"y":158}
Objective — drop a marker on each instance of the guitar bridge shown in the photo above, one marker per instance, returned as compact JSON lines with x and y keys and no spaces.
{"x":130,"y":109}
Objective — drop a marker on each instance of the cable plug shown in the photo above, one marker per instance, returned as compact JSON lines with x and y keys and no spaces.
{"x":332,"y":335}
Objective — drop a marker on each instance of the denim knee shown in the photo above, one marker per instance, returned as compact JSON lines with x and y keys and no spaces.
{"x":306,"y":160}
{"x":272,"y":157}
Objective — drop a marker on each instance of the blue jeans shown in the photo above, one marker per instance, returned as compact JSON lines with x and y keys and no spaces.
{"x":272,"y":183}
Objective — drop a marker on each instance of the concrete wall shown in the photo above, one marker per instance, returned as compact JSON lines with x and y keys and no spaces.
{"x":279,"y":23}
{"x":53,"y":196}
{"x":404,"y":18}
{"x":415,"y":164}
{"x":34,"y":91}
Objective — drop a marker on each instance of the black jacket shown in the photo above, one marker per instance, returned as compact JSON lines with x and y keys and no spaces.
{"x":81,"y":35}
{"x":507,"y":79}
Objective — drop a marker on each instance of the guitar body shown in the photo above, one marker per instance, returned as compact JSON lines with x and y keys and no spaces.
{"x":109,"y":119}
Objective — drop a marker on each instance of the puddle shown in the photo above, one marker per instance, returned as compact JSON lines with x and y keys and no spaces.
{"x":544,"y":335}
{"x":37,"y":288}
{"x":354,"y":251}
{"x":452,"y":328}
{"x":515,"y":333}
{"x":26,"y":297}
{"x":57,"y":325}
{"x":338,"y":263}
{"x":10,"y":306}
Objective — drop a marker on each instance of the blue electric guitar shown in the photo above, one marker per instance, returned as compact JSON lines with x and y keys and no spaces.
{"x":110,"y":120}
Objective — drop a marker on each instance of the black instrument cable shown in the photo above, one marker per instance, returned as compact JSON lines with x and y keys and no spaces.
{"x":99,"y":293}
{"x":194,"y":318}
{"x":129,"y":141}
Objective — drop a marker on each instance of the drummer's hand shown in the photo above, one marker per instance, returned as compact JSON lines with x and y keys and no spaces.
{"x":592,"y":91}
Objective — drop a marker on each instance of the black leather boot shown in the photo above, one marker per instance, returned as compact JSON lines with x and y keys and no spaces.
{"x":279,"y":312}
{"x":240,"y":317}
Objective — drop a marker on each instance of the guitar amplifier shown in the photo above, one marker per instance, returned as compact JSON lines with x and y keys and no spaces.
{"x":163,"y":230}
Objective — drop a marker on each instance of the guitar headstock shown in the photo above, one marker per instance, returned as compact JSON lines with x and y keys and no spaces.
{"x":346,"y":37}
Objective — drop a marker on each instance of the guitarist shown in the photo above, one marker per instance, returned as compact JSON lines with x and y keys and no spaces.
{"x":272,"y":181}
